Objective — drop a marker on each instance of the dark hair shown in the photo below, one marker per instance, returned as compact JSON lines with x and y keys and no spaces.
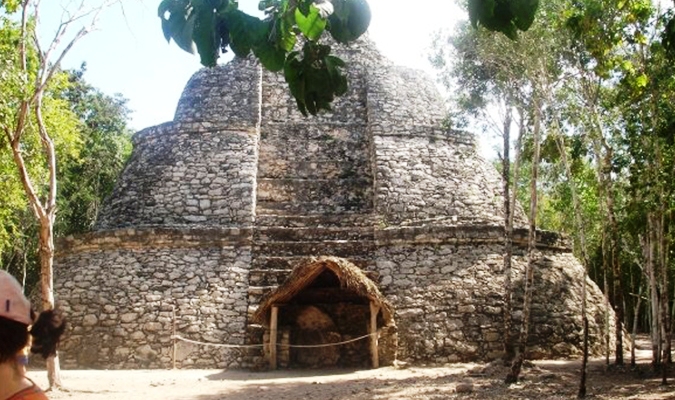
{"x":46,"y":332}
{"x":13,"y":338}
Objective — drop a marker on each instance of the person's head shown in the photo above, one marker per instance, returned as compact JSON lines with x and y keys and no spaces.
{"x":16,"y":316}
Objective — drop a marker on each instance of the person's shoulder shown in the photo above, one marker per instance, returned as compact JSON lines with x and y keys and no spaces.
{"x":31,"y":393}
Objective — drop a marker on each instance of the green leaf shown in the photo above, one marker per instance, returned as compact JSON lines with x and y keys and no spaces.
{"x":166,"y":30}
{"x":180,"y":23}
{"x":315,"y":79}
{"x":350,"y":20}
{"x":10,"y":5}
{"x":244,"y":29}
{"x":311,"y":25}
{"x":287,"y":38}
{"x":505,"y":16}
{"x":524,"y":12}
{"x":271,"y":58}
{"x":641,"y":81}
{"x":204,"y":34}
{"x":481,"y":11}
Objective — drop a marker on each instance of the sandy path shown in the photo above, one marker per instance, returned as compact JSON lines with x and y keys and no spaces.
{"x":214,"y":384}
{"x":545,"y":379}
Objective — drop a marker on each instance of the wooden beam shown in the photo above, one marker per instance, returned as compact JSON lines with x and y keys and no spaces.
{"x":372,"y":329}
{"x":273,"y":337}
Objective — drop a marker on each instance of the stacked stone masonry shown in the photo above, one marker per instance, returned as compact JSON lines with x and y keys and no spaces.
{"x":215,"y":208}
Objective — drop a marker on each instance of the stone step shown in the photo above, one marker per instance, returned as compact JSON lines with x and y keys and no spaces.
{"x":262,"y":262}
{"x":313,"y":169}
{"x":338,"y":248}
{"x":297,"y":234}
{"x":272,"y":218}
{"x":315,"y":195}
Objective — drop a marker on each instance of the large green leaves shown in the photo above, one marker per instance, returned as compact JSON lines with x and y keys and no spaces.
{"x":505,"y":16}
{"x":350,"y":20}
{"x":248,"y":34}
{"x":313,"y":75}
{"x":177,"y":23}
{"x":311,"y":25}
{"x":315,"y":78}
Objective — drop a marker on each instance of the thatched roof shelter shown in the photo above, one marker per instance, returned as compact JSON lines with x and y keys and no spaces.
{"x":351,"y":279}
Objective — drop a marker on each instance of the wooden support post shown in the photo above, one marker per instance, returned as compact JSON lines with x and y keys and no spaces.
{"x":173,"y":335}
{"x":372,"y":329}
{"x":273,"y":337}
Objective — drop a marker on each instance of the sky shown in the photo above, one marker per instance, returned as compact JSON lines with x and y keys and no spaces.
{"x":128,"y":54}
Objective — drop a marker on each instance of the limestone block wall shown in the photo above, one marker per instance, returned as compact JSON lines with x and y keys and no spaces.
{"x":421,"y":180}
{"x":200,"y":169}
{"x":125,"y":293}
{"x":235,"y":105}
{"x":318,"y":165}
{"x":448,"y":296}
{"x":423,"y":172}
{"x":185,"y":174}
{"x":403,"y":101}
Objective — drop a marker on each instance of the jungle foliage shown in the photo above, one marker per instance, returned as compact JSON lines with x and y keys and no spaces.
{"x":601,"y":75}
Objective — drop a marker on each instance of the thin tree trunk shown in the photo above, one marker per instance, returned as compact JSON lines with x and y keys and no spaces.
{"x":665,"y":331}
{"x":636,"y":313}
{"x":509,"y":351}
{"x":618,"y":291}
{"x":607,"y":308}
{"x":581,"y":230}
{"x":604,"y":157}
{"x":653,"y":294}
{"x":46,"y":245}
{"x":46,"y":252}
{"x":517,"y":364}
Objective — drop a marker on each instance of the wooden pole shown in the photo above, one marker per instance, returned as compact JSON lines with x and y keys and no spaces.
{"x":273,"y":337}
{"x":173,"y":335}
{"x":372,"y":330}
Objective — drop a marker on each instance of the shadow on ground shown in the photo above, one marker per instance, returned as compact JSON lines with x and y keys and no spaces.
{"x":541,"y":380}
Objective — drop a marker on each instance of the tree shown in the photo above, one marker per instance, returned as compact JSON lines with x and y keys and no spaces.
{"x":314,"y":76}
{"x":87,"y":179}
{"x":34,"y":70}
{"x":489,"y":78}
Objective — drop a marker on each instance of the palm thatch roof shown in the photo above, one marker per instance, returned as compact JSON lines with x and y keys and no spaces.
{"x":351,"y":279}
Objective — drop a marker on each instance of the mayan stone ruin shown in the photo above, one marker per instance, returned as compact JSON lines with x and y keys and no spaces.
{"x":241,"y":208}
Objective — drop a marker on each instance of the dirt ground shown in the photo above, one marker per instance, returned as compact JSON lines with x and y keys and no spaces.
{"x":545,"y":379}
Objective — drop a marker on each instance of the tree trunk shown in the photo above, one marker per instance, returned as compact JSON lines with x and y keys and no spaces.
{"x":607,"y":308}
{"x":46,"y":244}
{"x":517,"y":364}
{"x":509,"y":345}
{"x":579,"y":225}
{"x":618,"y":291}
{"x":636,"y":313}
{"x":665,"y":323}
{"x":46,"y":253}
{"x":653,"y":294}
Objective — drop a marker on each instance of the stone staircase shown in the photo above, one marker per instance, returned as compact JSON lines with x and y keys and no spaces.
{"x":279,"y":242}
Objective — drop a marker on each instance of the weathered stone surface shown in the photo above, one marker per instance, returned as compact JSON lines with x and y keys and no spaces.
{"x":216,"y":207}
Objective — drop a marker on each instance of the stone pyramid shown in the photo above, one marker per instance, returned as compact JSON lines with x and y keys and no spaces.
{"x":216,"y":208}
